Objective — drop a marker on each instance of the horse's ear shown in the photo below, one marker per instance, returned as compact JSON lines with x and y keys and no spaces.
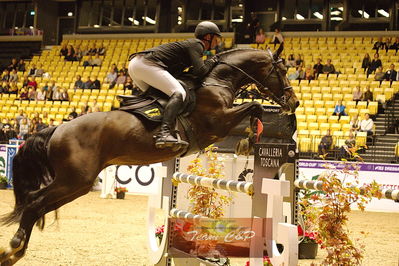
{"x":277,"y":53}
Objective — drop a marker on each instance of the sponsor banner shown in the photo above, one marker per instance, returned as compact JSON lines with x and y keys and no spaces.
{"x":217,"y":238}
{"x":3,"y":159}
{"x":11,"y":152}
{"x":384,"y":174}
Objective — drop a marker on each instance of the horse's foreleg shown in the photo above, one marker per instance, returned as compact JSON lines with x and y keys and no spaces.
{"x":235,"y":115}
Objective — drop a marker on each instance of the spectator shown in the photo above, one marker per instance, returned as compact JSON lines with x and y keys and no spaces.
{"x":357,"y":94}
{"x":374,"y":64}
{"x":379,"y":75}
{"x":31,"y":93}
{"x":253,"y":26}
{"x":23,"y":129}
{"x":23,"y":95}
{"x":64,"y":95}
{"x":318,"y":67}
{"x":39,"y":71}
{"x":56,"y":95}
{"x":368,"y":95}
{"x":9,"y":132}
{"x":32,"y":71}
{"x":88,"y":62}
{"x":5,"y":76}
{"x":260,"y":36}
{"x":121,"y":78}
{"x":391,"y":73}
{"x":78,"y":54}
{"x":40,"y":125}
{"x":367,"y":125}
{"x":73,"y":113}
{"x":21,"y":65}
{"x":13,"y":65}
{"x":14,"y":76}
{"x":45,"y":87}
{"x":111,"y":76}
{"x":64,"y":50}
{"x":309,"y":73}
{"x":97,"y":61}
{"x":51,"y":123}
{"x":95,"y":85}
{"x":32,"y":82}
{"x":277,"y":37}
{"x":379,"y":45}
{"x":78,"y":83}
{"x":299,"y":61}
{"x":325,"y":144}
{"x":41,"y":95}
{"x":328,"y":68}
{"x":5,"y":87}
{"x":348,"y":150}
{"x":395,"y":45}
{"x":70,"y":55}
{"x":20,"y":115}
{"x":93,"y":50}
{"x":366,"y":62}
{"x":87,"y":84}
{"x":13,"y":88}
{"x":51,"y":90}
{"x":114,"y":67}
{"x":355,"y":123}
{"x":101,"y":50}
{"x":25,"y":81}
{"x":290,"y":61}
{"x":339,"y":109}
{"x":128,"y":84}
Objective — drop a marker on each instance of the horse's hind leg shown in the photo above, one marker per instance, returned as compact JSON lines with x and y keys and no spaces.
{"x":42,"y":201}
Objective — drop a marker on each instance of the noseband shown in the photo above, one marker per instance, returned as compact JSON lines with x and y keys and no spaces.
{"x":283,"y":99}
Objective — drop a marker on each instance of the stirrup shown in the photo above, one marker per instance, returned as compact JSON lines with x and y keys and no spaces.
{"x":162,"y":143}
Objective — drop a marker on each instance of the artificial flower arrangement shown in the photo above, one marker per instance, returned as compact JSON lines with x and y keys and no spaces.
{"x":120,"y":189}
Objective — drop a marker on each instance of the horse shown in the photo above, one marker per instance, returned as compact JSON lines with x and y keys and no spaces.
{"x":59,"y":164}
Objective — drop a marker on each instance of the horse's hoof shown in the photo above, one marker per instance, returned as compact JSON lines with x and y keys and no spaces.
{"x":18,"y":239}
{"x":6,"y":263}
{"x":3,"y":253}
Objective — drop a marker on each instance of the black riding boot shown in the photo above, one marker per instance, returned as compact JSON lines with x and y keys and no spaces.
{"x":164,"y":137}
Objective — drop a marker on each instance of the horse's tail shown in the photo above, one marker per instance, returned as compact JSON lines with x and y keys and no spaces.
{"x":31,"y":169}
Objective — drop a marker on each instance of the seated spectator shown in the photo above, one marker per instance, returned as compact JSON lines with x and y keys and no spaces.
{"x":395,"y":45}
{"x":374,"y":64}
{"x":64,"y":50}
{"x":325,"y":144}
{"x":97,"y":61}
{"x":73,"y":113}
{"x":70,"y":55}
{"x":366,"y":62}
{"x":366,"y":125}
{"x":19,"y":116}
{"x":87,"y":84}
{"x":88,"y":62}
{"x":45,"y":87}
{"x":21,"y":65}
{"x":31,"y":93}
{"x":101,"y":50}
{"x":277,"y":37}
{"x":93,"y":50}
{"x":32,"y":82}
{"x":121,"y":78}
{"x":78,"y":83}
{"x":354,"y":123}
{"x":128,"y":84}
{"x":368,"y":95}
{"x":51,"y":123}
{"x":339,"y":109}
{"x":96,"y":109}
{"x":115,"y":68}
{"x":41,"y":95}
{"x":5,"y":76}
{"x":40,"y":125}
{"x":23,"y":95}
{"x":318,"y":67}
{"x":13,"y":65}
{"x":379,"y":75}
{"x":391,"y":74}
{"x":39,"y":71}
{"x":329,"y":68}
{"x":290,"y":61}
{"x":56,"y":95}
{"x":64,"y":95}
{"x":32,"y":70}
{"x":14,"y":76}
{"x":260,"y":36}
{"x":309,"y":73}
{"x":25,"y":81}
{"x":379,"y":44}
{"x":95,"y":85}
{"x":13,"y":88}
{"x":111,"y":76}
{"x":78,"y":54}
{"x":348,"y":150}
{"x":51,"y":89}
{"x":9,"y":132}
{"x":5,"y":87}
{"x":357,"y":94}
{"x":299,"y":61}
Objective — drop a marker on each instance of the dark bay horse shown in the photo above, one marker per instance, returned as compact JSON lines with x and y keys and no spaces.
{"x":58,"y":165}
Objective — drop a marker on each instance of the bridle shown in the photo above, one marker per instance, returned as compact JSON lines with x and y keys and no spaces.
{"x":283,"y":99}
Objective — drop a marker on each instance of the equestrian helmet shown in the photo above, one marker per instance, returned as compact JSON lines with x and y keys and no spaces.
{"x":206,"y":27}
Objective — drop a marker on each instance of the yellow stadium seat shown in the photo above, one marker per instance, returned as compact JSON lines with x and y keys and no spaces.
{"x":302,"y":125}
{"x":333,"y":119}
{"x":303,"y":133}
{"x":313,"y":126}
{"x":325,"y":90}
{"x":308,"y":103}
{"x":350,"y":104}
{"x":317,"y":96}
{"x":322,"y":119}
{"x":335,"y":126}
{"x":362,"y":105}
{"x":309,"y":110}
{"x":300,"y":110}
{"x":353,"y":111}
{"x":311,"y":118}
{"x":324,"y":126}
{"x":348,"y":97}
{"x":327,"y":97}
{"x":373,"y":107}
{"x":361,"y":138}
{"x":329,"y":104}
{"x":344,"y":120}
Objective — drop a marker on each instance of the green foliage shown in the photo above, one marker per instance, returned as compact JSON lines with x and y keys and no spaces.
{"x":3,"y":179}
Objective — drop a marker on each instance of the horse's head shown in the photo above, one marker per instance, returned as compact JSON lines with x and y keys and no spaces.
{"x":275,"y":84}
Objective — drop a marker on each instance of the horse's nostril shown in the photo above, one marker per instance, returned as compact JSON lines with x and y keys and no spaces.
{"x":297,"y":104}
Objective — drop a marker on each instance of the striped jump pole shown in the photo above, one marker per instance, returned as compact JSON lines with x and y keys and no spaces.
{"x":230,"y":185}
{"x":176,"y":213}
{"x":392,"y":194}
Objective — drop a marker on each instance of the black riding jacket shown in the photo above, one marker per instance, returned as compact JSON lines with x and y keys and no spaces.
{"x":177,"y":56}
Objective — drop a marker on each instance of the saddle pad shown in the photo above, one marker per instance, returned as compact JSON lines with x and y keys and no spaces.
{"x":152,"y":111}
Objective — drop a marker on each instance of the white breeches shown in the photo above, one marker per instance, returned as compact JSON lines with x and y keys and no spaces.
{"x":145,"y":74}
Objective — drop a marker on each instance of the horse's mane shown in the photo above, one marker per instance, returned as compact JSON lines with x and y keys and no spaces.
{"x":232,"y":51}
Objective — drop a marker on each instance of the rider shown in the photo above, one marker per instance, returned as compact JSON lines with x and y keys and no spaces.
{"x":157,"y":67}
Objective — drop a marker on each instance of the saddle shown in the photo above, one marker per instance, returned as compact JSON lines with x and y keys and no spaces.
{"x":150,"y":105}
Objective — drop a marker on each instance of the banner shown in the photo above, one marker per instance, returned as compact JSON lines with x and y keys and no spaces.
{"x":3,"y":159}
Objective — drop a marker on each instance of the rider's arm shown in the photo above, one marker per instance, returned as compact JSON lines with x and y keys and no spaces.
{"x":200,"y":68}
